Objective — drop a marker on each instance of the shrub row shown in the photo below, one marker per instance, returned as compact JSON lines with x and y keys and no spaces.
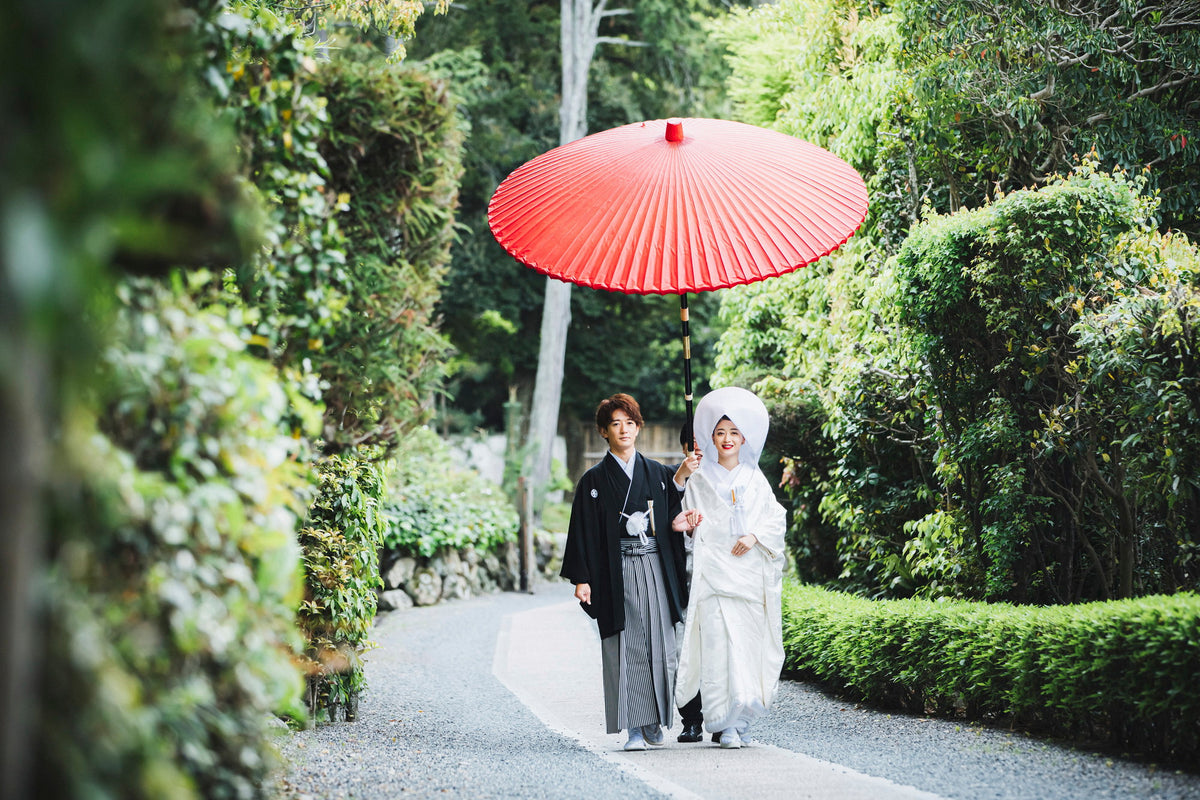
{"x":1122,"y":670}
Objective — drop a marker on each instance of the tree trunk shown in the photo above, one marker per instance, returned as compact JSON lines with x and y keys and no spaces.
{"x":580,"y":25}
{"x":22,"y":441}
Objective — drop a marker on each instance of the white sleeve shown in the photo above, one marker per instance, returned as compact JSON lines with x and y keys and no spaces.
{"x":770,"y":520}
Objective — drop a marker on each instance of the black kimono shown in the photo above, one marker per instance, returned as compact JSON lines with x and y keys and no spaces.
{"x":593,"y":539}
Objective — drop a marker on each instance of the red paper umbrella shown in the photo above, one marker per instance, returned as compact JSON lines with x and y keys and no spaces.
{"x":677,"y":206}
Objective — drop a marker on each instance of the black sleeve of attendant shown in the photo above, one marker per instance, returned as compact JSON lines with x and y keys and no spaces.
{"x":674,"y":498}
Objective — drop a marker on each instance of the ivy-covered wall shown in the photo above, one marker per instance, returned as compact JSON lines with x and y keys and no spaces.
{"x":227,"y":322}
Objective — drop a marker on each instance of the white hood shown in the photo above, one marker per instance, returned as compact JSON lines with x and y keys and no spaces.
{"x":745,"y":410}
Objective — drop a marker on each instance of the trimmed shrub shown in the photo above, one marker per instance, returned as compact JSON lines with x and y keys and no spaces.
{"x":1124,"y":670}
{"x":341,"y":565}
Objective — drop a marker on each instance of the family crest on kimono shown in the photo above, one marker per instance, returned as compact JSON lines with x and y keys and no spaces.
{"x":732,"y":646}
{"x":627,"y":564}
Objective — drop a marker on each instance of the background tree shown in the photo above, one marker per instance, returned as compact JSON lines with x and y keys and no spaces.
{"x":580,"y":22}
{"x":1011,"y":92}
{"x":504,"y":57}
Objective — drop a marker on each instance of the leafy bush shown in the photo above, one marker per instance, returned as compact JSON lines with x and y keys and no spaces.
{"x":358,"y":164}
{"x":391,"y":146}
{"x":1004,"y":410}
{"x":1019,"y":310}
{"x":341,"y":543}
{"x":433,"y":505}
{"x":1123,"y":668}
{"x":173,"y":585}
{"x":1143,"y":372}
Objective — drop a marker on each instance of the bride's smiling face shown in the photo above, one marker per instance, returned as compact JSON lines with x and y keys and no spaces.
{"x":728,"y":440}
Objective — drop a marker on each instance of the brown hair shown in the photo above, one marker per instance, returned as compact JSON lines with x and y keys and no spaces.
{"x":621,"y":402}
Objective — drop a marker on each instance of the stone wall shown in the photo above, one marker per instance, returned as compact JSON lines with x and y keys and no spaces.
{"x":454,"y":575}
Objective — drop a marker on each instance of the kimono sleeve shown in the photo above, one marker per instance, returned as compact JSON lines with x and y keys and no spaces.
{"x":583,"y":543}
{"x":770,"y":519}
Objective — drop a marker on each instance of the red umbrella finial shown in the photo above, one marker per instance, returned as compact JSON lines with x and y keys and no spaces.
{"x":674,"y":130}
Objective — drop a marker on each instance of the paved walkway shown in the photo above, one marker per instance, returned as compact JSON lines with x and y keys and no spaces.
{"x":549,"y":658}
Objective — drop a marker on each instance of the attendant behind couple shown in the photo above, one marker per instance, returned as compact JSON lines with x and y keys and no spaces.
{"x":635,"y":585}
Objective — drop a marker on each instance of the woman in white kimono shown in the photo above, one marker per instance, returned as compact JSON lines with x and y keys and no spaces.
{"x":732,"y":650}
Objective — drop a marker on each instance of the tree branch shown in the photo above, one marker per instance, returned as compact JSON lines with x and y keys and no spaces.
{"x":619,"y":40}
{"x":1149,"y":90}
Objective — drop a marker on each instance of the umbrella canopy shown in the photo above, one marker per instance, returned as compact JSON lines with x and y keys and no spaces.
{"x":676,"y":206}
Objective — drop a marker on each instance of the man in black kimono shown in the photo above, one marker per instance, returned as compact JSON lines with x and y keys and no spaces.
{"x":628,"y":568}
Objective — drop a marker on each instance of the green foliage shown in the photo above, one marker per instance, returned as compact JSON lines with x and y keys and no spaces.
{"x":433,"y":506}
{"x":146,"y":137}
{"x":823,"y":70}
{"x":108,"y":168}
{"x":993,"y":296}
{"x":932,"y":562}
{"x":296,"y":290}
{"x":501,"y":62}
{"x":167,"y":584}
{"x":341,"y":541}
{"x":173,"y":577}
{"x":391,"y":148}
{"x":1125,"y":668}
{"x":1142,"y":369}
{"x":395,"y":19}
{"x":1009,"y":93}
{"x":946,"y":103}
{"x":975,"y":419}
{"x":959,"y":414}
{"x":357,"y":161}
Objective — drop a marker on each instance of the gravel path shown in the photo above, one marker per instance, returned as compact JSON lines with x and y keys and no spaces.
{"x":436,"y":721}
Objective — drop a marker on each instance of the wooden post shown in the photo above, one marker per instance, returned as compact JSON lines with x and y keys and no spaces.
{"x":525,"y":534}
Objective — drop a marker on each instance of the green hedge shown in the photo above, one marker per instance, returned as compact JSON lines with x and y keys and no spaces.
{"x":1122,"y":670}
{"x":172,"y":568}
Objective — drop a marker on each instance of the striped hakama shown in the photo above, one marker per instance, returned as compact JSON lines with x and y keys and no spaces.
{"x":639,"y":662}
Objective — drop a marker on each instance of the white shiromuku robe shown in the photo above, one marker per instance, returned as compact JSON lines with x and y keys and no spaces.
{"x":732,"y":649}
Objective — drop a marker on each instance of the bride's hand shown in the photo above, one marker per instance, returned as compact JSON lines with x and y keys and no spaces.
{"x":686,"y":521}
{"x":743,"y":545}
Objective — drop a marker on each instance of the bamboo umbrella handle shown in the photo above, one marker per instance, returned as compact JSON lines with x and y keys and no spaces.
{"x":687,"y":364}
